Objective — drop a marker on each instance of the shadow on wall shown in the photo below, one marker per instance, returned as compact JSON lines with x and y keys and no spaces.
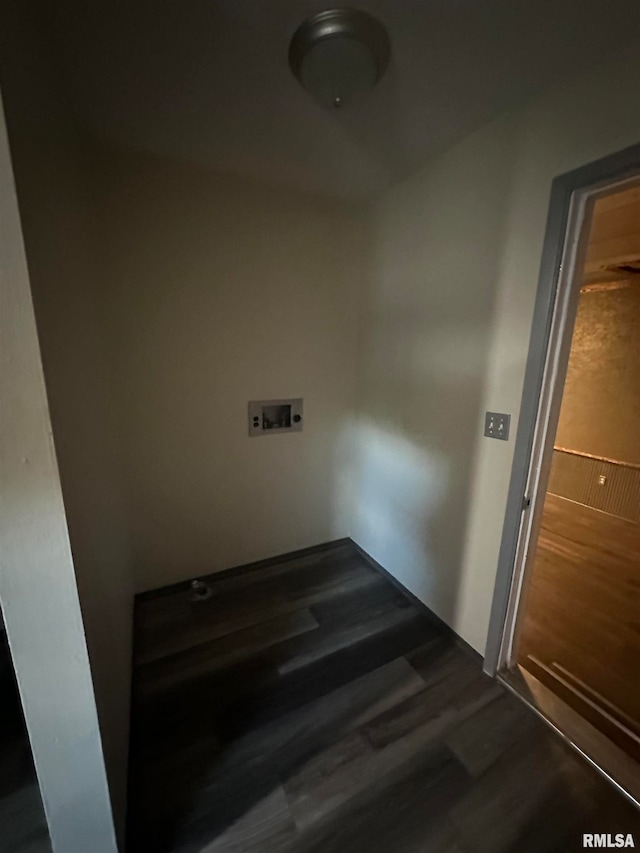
{"x":399,"y":486}
{"x":224,"y":290}
{"x":436,"y":261}
{"x":57,"y":223}
{"x":415,"y":450}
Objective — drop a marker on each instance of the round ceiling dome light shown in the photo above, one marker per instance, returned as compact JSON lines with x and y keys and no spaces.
{"x":338,"y":54}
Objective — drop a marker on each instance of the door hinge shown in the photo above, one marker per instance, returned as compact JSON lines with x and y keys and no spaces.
{"x":526,"y":503}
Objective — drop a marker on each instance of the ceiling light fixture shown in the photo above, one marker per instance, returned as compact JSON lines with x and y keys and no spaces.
{"x":339,"y":53}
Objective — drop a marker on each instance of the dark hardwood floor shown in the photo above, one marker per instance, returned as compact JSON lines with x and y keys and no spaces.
{"x":308,"y":705}
{"x":23,"y":827}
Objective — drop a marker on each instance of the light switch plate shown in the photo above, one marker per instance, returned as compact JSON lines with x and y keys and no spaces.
{"x":496,"y":425}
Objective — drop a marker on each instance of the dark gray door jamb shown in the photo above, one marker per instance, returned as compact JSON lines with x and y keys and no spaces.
{"x":597,"y":175}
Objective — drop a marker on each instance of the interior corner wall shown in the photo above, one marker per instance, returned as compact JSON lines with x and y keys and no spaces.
{"x":455,"y":276}
{"x":66,"y":281}
{"x":436,"y":242}
{"x":224,"y":290}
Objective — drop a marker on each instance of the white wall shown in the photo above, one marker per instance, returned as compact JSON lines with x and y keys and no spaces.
{"x":65,"y":267}
{"x":436,"y":242}
{"x":454,"y":283}
{"x":67,"y":287}
{"x":169,"y":297}
{"x":37,"y":581}
{"x":222,"y":291}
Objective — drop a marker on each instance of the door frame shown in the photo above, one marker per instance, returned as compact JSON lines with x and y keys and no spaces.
{"x":572,"y":197}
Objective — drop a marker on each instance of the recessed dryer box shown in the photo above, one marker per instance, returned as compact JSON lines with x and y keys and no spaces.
{"x":267,"y":417}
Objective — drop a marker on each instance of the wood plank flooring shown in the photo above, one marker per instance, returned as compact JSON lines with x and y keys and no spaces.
{"x":23,"y":827}
{"x":581,"y":611}
{"x":308,"y":705}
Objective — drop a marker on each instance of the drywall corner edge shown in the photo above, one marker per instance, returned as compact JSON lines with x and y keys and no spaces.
{"x":37,"y":580}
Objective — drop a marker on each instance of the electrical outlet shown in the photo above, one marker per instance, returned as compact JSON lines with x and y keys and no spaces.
{"x":496,"y":425}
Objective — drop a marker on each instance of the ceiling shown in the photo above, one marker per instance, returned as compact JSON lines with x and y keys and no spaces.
{"x":207,"y":81}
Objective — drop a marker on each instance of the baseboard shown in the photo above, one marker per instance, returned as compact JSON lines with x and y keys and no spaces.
{"x":436,"y":620}
{"x":150,"y":594}
{"x":439,"y":623}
